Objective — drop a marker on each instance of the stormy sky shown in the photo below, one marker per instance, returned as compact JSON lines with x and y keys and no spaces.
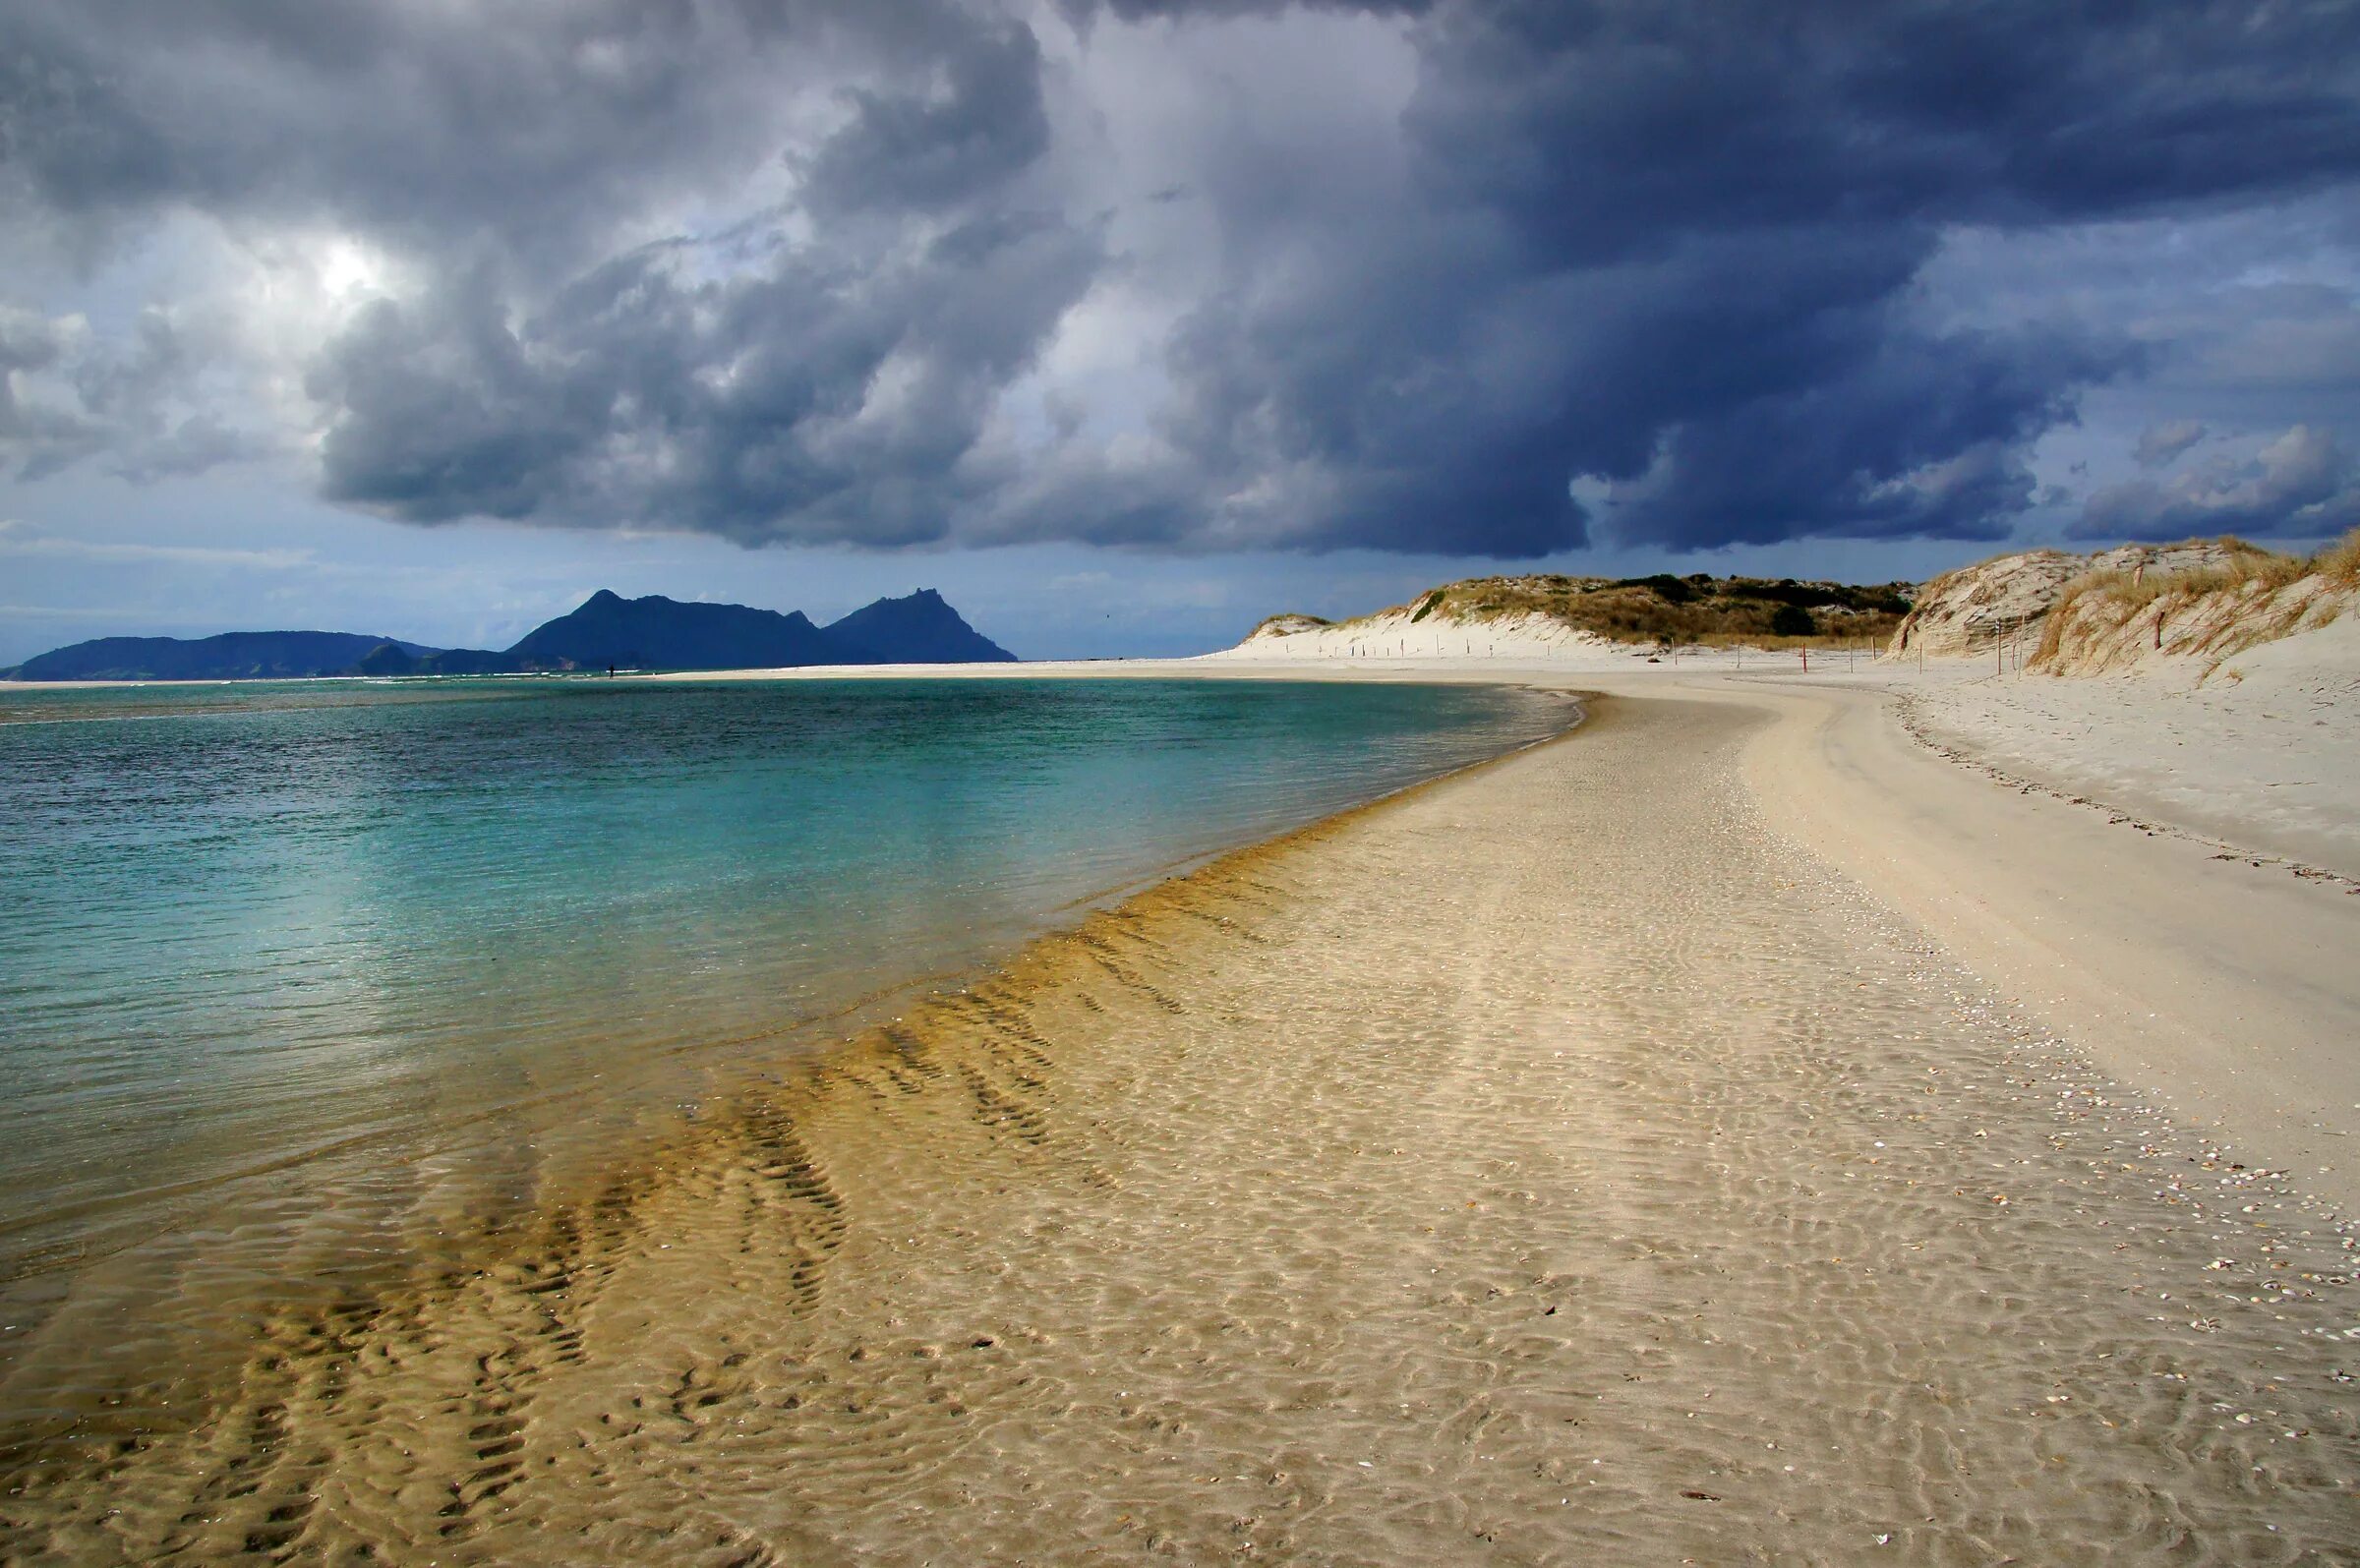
{"x":1127,"y":323}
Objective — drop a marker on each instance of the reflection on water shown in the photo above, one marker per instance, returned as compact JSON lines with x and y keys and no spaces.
{"x":297,"y":975}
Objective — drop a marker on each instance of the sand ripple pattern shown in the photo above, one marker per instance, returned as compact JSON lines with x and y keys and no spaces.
{"x":1548,"y":1168}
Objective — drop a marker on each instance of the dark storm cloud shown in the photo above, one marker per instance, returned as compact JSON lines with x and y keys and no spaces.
{"x":914,"y":151}
{"x":1911,"y":435}
{"x":1082,"y":11}
{"x":1607,"y":126}
{"x":1664,"y":257}
{"x":1740,"y":388}
{"x":1733,"y":214}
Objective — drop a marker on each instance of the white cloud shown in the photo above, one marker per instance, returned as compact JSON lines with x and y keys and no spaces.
{"x":2301,"y":485}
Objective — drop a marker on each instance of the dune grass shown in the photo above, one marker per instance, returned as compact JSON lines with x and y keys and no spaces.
{"x":2249,"y":571}
{"x":1289,"y":621}
{"x":2339,"y":563}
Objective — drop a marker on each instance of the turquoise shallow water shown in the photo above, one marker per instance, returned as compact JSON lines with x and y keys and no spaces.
{"x":277,"y":959}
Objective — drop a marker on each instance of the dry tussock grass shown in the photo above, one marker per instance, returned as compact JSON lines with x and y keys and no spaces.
{"x":2113,"y":597}
{"x":2339,"y":563}
{"x":2120,"y":593}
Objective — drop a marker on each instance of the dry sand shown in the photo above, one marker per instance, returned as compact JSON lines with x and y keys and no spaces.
{"x":1556,"y":1165}
{"x":2261,"y":752}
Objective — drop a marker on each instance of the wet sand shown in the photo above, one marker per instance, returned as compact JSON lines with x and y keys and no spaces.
{"x":2224,"y":982}
{"x":1555,"y":1164}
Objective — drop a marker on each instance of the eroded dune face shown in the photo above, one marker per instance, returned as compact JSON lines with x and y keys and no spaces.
{"x":1550,"y":1167}
{"x":2191,"y":634}
{"x":1968,"y":611}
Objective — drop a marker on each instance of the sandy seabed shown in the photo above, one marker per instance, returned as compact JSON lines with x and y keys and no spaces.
{"x":1552,"y":1166}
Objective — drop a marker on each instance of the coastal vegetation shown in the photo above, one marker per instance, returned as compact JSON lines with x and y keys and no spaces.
{"x":2241,"y":566}
{"x":1670,"y":610}
{"x":1657,"y":611}
{"x":2239,"y":597}
{"x":2079,"y":614}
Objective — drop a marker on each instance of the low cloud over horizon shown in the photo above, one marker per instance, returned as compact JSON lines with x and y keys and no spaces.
{"x":1466,"y":280}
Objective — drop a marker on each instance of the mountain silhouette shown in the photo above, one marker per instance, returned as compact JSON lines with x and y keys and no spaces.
{"x":659,"y":633}
{"x":231,"y":656}
{"x":606,"y":630}
{"x":919,"y":630}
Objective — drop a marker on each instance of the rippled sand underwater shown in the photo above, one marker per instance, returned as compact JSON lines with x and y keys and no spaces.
{"x":303,"y":985}
{"x":1551,"y":1167}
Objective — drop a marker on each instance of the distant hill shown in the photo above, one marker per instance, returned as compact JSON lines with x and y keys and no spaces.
{"x":648,"y":633}
{"x":659,"y":633}
{"x":231,"y":656}
{"x":399,"y":658}
{"x":921,"y":629}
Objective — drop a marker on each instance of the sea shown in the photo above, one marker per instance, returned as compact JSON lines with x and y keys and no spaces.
{"x":295,"y":976}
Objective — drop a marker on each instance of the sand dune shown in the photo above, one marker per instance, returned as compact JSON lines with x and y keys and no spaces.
{"x":1557,"y":1166}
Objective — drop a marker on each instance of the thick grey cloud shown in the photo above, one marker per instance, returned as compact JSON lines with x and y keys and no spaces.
{"x":820,"y":401}
{"x":903,"y":150}
{"x":545,"y":127}
{"x":38,"y":436}
{"x":812,"y":271}
{"x":2160,"y":445}
{"x":2303,"y":485}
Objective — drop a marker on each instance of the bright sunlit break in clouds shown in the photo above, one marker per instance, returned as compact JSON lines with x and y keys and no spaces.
{"x":1127,"y":323}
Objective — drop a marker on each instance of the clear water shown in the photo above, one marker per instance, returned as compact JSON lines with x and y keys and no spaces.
{"x":279,"y":962}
